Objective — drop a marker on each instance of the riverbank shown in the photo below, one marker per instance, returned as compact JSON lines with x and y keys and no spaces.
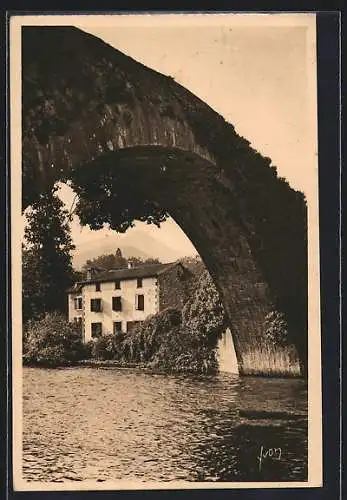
{"x":148,"y":368}
{"x":119,"y":365}
{"x":96,"y":363}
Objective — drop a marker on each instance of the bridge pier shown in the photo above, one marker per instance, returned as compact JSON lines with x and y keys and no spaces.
{"x":226,"y":354}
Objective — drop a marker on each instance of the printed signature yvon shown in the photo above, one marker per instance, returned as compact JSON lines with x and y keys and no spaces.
{"x":273,"y":453}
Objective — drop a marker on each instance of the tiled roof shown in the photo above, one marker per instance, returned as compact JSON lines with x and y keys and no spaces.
{"x":125,"y":274}
{"x":76,"y":288}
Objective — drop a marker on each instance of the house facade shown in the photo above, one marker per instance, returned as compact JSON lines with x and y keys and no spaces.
{"x":115,"y":301}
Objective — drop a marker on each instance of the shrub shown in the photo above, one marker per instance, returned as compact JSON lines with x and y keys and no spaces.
{"x":186,"y":341}
{"x":163,"y":342}
{"x":88,"y":349}
{"x":203,"y":315}
{"x":146,"y":339}
{"x":180,"y":353}
{"x":107,"y":347}
{"x":52,"y":341}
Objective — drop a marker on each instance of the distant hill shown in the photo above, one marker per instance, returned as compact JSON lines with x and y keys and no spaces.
{"x":140,"y":245}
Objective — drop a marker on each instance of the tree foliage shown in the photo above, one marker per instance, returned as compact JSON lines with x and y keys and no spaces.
{"x":138,"y":261}
{"x":52,"y":341}
{"x":117,"y":261}
{"x":203,"y":314}
{"x":116,"y":196}
{"x":107,"y":261}
{"x":47,"y":268}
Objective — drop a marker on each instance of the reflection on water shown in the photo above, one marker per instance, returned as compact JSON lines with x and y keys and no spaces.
{"x":84,"y":423}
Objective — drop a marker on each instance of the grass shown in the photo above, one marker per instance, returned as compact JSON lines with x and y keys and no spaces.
{"x":271,"y":362}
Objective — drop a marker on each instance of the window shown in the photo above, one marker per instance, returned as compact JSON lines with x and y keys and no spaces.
{"x":117,"y":327}
{"x":116,"y":303}
{"x":139,"y":283}
{"x":131,"y":325}
{"x":97,"y":287}
{"x":117,"y":285}
{"x":78,"y":303}
{"x":96,"y":330}
{"x":78,"y":320}
{"x":140,"y":302}
{"x":95,"y":305}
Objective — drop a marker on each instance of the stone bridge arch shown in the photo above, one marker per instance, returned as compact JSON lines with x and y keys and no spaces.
{"x":92,"y":114}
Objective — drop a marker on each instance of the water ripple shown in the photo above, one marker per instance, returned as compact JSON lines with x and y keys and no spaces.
{"x":86,"y":424}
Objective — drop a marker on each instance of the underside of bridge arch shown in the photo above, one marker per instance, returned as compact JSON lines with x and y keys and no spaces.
{"x":150,"y":180}
{"x":138,"y":145}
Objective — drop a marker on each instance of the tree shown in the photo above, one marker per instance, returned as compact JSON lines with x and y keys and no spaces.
{"x":120,"y":261}
{"x":107,"y":261}
{"x":138,"y":261}
{"x":47,"y":267}
{"x":117,"y":261}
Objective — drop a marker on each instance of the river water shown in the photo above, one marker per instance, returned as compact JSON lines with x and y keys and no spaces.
{"x":112,"y":424}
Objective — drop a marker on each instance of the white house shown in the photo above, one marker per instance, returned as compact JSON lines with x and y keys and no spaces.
{"x":114,"y":301}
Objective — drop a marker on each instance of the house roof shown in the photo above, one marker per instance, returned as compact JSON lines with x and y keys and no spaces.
{"x":76,"y":288}
{"x":146,"y":271}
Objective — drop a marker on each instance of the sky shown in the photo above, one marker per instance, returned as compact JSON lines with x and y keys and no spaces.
{"x":255,"y":72}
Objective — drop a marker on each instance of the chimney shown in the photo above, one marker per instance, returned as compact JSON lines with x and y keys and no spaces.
{"x":90,"y":273}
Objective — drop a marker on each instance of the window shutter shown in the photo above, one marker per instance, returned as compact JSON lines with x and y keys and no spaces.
{"x":139,"y":302}
{"x":95,"y":305}
{"x":116,"y":303}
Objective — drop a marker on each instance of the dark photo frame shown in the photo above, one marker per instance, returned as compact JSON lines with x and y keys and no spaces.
{"x":329,"y":180}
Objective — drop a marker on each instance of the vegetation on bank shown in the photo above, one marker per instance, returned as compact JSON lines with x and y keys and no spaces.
{"x":165,"y":344}
{"x":271,"y":361}
{"x":275,"y":356}
{"x":51,"y":341}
